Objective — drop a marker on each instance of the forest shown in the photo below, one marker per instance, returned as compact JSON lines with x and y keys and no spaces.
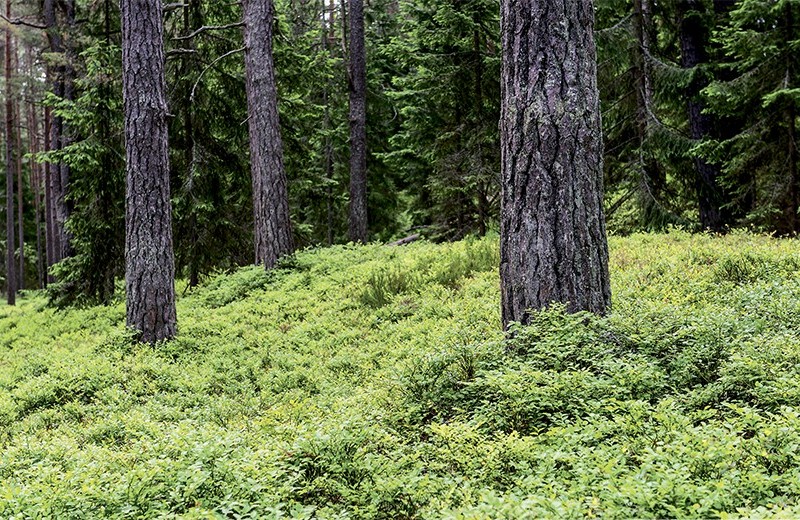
{"x":456,"y":259}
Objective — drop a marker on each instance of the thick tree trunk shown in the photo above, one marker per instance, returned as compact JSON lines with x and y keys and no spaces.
{"x":358,"y":124}
{"x":552,"y":240}
{"x":11,"y":279}
{"x":273,"y":232}
{"x":149,"y":260}
{"x":694,"y":39}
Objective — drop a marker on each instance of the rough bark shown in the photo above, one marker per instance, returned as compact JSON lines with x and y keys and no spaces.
{"x":11,"y":279}
{"x":358,"y":124}
{"x":273,"y":233}
{"x":553,"y":241}
{"x":694,"y":40}
{"x":149,"y":260}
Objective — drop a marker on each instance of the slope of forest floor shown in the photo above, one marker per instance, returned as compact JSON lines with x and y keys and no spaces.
{"x":374,"y":382}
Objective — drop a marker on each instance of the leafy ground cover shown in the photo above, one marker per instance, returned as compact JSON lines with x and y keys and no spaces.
{"x":373,"y":382}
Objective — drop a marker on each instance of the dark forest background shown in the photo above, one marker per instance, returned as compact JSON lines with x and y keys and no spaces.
{"x":699,"y":109}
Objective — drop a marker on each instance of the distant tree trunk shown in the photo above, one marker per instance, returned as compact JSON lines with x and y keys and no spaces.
{"x":328,"y":36}
{"x":20,"y":185}
{"x":149,"y":260}
{"x":552,"y":240}
{"x":273,"y":232}
{"x":32,"y":122}
{"x":35,"y":180}
{"x":49,"y":219}
{"x":652,"y":180}
{"x":791,"y":125}
{"x":358,"y":124}
{"x":189,"y":144}
{"x":694,"y":39}
{"x":62,"y":77}
{"x":11,"y":279}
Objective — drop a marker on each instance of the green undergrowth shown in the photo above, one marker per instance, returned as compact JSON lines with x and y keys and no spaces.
{"x":374,"y":382}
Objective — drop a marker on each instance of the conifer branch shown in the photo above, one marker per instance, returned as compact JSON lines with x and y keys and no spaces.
{"x":206,"y":28}
{"x":18,"y":21}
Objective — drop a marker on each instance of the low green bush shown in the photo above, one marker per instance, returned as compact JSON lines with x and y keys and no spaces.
{"x":375,"y":382}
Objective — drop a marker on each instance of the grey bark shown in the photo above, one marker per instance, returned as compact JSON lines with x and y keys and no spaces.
{"x":358,"y":124}
{"x":149,"y":260}
{"x":553,"y":241}
{"x":11,"y":279}
{"x":273,"y":231}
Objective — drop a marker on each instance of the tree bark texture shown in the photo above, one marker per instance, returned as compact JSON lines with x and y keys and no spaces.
{"x":11,"y":279}
{"x":149,"y":260}
{"x":553,"y":240}
{"x":358,"y":124}
{"x":694,"y":39}
{"x":273,"y":231}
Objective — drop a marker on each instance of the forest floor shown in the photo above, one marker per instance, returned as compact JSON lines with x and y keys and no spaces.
{"x":374,"y":382}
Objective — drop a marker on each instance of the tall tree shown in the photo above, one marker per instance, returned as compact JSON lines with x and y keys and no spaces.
{"x":62,"y":75}
{"x":358,"y":124}
{"x":11,"y":279}
{"x":20,"y":185}
{"x":761,"y":94}
{"x":273,"y":233}
{"x":552,"y":238}
{"x":695,"y":40}
{"x":149,"y":260}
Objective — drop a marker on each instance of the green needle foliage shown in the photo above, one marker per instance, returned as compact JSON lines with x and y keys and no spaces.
{"x":761,"y":42}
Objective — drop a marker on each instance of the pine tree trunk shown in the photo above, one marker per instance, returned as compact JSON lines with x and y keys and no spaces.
{"x":32,"y":123}
{"x":11,"y":279}
{"x":63,"y":78}
{"x":791,"y":124}
{"x":20,"y":186}
{"x":35,"y":180}
{"x":49,"y":220}
{"x":328,"y":36}
{"x":149,"y":260}
{"x":273,"y":233}
{"x":652,"y":179}
{"x":358,"y":124}
{"x":552,"y":241}
{"x":694,"y":39}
